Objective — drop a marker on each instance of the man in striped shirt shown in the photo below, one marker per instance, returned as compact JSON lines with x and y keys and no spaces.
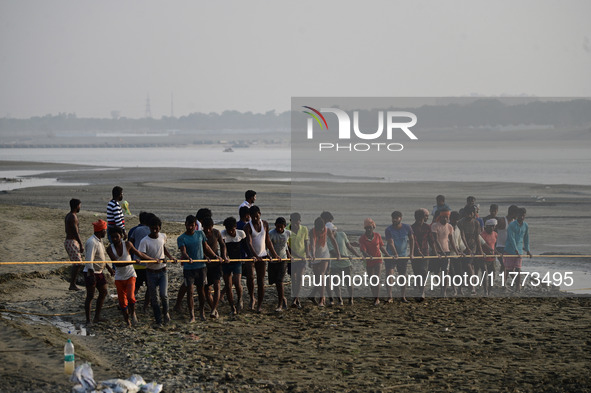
{"x":114,"y":212}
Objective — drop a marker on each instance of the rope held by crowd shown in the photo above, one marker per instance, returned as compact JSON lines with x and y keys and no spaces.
{"x":287,"y":260}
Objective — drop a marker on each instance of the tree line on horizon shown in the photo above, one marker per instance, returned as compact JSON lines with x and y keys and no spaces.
{"x":478,"y":113}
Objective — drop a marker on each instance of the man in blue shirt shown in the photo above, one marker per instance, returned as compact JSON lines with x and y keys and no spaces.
{"x":517,"y":242}
{"x":399,"y":242}
{"x":192,"y":245}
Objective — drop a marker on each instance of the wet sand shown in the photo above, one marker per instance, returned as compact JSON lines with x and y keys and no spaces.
{"x":455,"y":344}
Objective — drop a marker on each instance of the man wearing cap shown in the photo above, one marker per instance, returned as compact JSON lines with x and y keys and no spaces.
{"x":488,"y":241}
{"x":93,"y":272}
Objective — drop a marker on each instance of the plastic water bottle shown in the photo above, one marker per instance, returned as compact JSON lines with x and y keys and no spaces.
{"x":69,"y":358}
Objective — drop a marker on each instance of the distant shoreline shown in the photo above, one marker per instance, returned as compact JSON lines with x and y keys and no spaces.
{"x":264,"y":175}
{"x":173,"y":193}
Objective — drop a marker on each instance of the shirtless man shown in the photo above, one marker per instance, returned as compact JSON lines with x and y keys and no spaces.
{"x":214,"y":269}
{"x":73,"y":243}
{"x":258,"y":240}
{"x":470,"y":230}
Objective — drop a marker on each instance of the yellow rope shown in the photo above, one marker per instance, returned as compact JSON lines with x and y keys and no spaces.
{"x":287,"y":260}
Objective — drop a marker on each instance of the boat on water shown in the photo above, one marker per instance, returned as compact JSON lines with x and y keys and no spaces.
{"x":228,"y":150}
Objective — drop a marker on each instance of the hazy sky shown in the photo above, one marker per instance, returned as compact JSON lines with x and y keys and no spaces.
{"x":94,"y":57}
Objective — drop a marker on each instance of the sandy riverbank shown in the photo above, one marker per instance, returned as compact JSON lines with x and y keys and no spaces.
{"x":556,"y":213}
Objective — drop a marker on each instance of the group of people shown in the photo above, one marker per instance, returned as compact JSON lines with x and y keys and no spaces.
{"x":249,"y":247}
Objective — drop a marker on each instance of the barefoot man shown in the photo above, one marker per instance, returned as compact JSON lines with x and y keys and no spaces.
{"x":193,"y":245}
{"x":73,"y":243}
{"x":93,"y":272}
{"x":258,"y":240}
{"x":517,"y":243}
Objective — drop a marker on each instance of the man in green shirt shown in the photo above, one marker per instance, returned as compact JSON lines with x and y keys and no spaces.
{"x":300,"y":250}
{"x":343,"y":267}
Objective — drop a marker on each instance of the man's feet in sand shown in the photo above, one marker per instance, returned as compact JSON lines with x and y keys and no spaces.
{"x":294,"y":303}
{"x":202,"y":317}
{"x":233,"y":311}
{"x":351,"y":302}
{"x":166,"y":319}
{"x":99,"y":320}
{"x":251,"y":304}
{"x":314,"y":301}
{"x":214,"y":314}
{"x":157,"y":326}
{"x":403,"y":300}
{"x":73,"y":288}
{"x":282,"y":306}
{"x":376,"y":302}
{"x":239,"y":306}
{"x":134,"y":320}
{"x":340,"y":302}
{"x":191,"y":318}
{"x":389,"y":300}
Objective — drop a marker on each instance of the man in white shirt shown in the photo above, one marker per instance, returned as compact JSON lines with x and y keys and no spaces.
{"x":249,"y":197}
{"x":93,"y":272}
{"x":154,"y":245}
